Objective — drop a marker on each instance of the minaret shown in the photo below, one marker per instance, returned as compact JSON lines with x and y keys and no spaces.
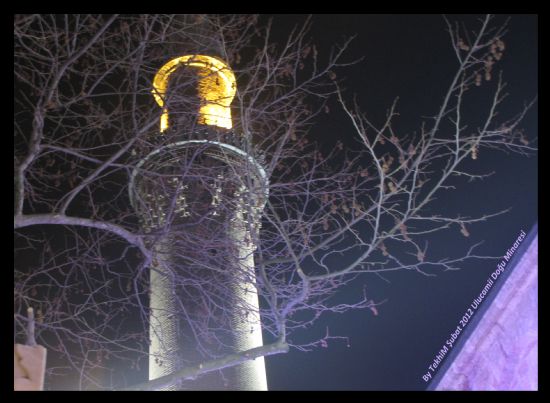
{"x":170,"y":193}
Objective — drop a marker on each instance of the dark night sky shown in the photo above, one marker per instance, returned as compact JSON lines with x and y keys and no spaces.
{"x":410,"y":56}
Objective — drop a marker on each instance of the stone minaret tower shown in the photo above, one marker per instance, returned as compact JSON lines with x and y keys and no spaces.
{"x":201,"y":182}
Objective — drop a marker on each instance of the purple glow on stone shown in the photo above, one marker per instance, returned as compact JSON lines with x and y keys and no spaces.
{"x":502,"y":351}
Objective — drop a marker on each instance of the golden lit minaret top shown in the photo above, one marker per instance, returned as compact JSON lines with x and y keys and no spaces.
{"x":217,"y":87}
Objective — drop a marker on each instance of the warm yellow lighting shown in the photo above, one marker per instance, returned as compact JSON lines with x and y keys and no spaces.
{"x":217,"y":87}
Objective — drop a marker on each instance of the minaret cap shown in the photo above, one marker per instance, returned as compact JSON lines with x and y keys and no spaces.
{"x":217,"y":87}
